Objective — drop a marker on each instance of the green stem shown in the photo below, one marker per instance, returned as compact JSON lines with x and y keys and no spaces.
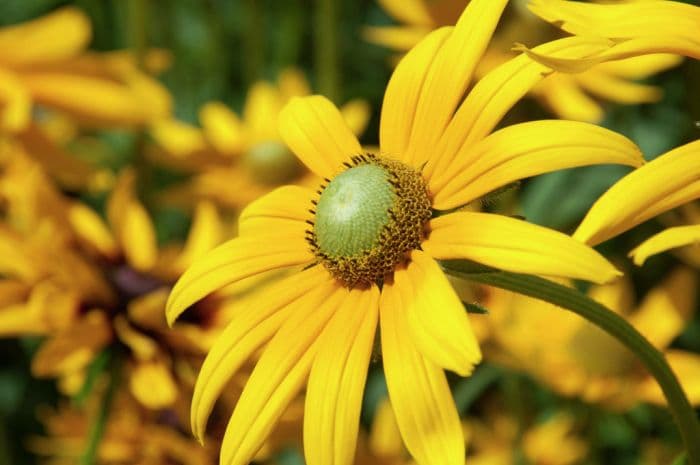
{"x":326,"y":48}
{"x":614,"y":325}
{"x":99,"y":424}
{"x":138,"y":31}
{"x":253,"y":39}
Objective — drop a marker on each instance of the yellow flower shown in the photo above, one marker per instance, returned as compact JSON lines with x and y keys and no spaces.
{"x":237,"y":159}
{"x":635,"y":28}
{"x":368,"y":242}
{"x":86,"y":285}
{"x":566,"y":95}
{"x":132,"y":435}
{"x":578,"y":359}
{"x":667,"y":182}
{"x":44,"y":62}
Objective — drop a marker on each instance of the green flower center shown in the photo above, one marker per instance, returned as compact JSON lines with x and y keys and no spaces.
{"x":272,"y":163}
{"x":367,"y":218}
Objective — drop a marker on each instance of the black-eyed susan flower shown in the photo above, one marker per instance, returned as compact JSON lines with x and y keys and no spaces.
{"x":579,"y":359}
{"x":666,"y":182}
{"x":236,"y":159}
{"x":368,"y":240}
{"x":44,"y":62}
{"x":569,"y":96}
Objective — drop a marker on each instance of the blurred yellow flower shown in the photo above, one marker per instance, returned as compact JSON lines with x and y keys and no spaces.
{"x":369,"y":244}
{"x":85,"y":284}
{"x":132,"y":435}
{"x":237,"y":159}
{"x":578,"y":359}
{"x":569,"y":96}
{"x":44,"y":62}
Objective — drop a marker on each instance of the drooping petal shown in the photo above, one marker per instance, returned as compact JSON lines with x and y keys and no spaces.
{"x":515,"y":245}
{"x":450,"y":74}
{"x":265,"y":312}
{"x":54,"y":37}
{"x":315,"y":131}
{"x":669,"y":239}
{"x":664,"y":183}
{"x":619,"y":90}
{"x":337,"y":380}
{"x":402,"y":94}
{"x":496,"y":93}
{"x":277,"y":378}
{"x":232,"y":261}
{"x":422,"y":401}
{"x":621,"y":20}
{"x":436,"y":317}
{"x":525,"y":150}
{"x":285,"y":207}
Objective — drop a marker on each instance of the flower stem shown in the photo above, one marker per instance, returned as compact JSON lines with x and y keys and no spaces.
{"x":326,"y":48}
{"x":610,"y":322}
{"x":99,"y":424}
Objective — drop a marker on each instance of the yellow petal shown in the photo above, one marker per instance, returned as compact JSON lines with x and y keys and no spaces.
{"x":525,"y":150}
{"x":623,"y":19}
{"x":337,"y":380}
{"x":264,"y":313}
{"x":315,"y":131}
{"x":15,"y":102}
{"x":619,"y":90}
{"x":232,"y":261}
{"x":222,"y":128}
{"x":664,"y":183}
{"x":436,"y":317}
{"x":277,"y":378}
{"x":293,"y":83}
{"x":450,"y":74}
{"x":402,"y":94}
{"x":54,"y":37}
{"x":642,"y":66}
{"x":401,"y":38}
{"x":664,"y":312}
{"x":285,"y":207}
{"x":356,"y":114}
{"x":153,"y":385}
{"x":91,"y":100}
{"x":514,"y":245}
{"x":134,"y":229}
{"x":142,"y":347}
{"x":669,"y":239}
{"x":91,"y":229}
{"x":385,"y":438}
{"x":178,"y":138}
{"x":496,"y":93}
{"x":565,"y":98}
{"x":422,"y":401}
{"x":262,"y":107}
{"x":205,"y":233}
